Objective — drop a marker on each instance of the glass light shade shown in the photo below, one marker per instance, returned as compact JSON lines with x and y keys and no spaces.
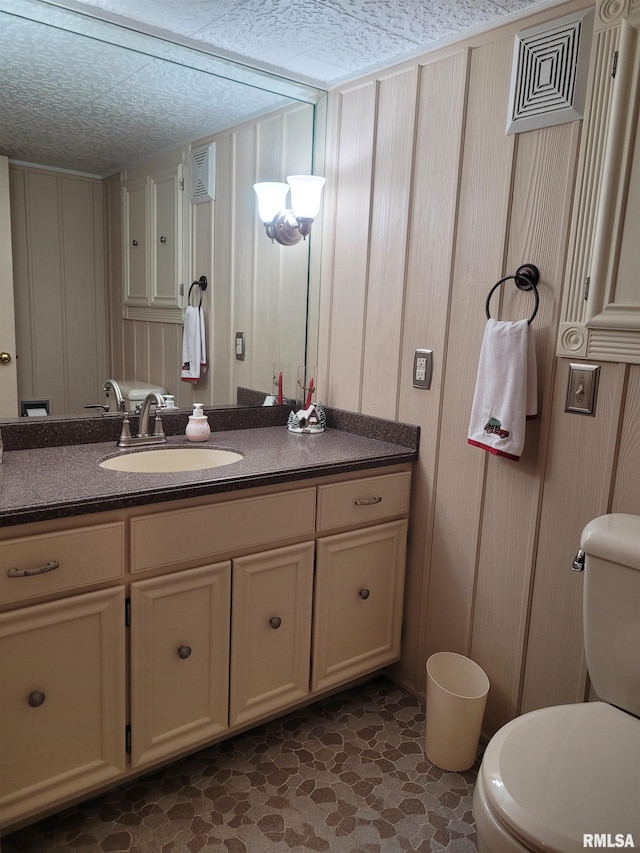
{"x":272,"y":198}
{"x":305,"y":195}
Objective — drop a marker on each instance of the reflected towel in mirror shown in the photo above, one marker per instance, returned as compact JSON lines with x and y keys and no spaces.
{"x":194,"y":352}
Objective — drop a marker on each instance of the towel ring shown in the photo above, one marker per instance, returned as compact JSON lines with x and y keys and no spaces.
{"x":526,"y":278}
{"x":202,"y":283}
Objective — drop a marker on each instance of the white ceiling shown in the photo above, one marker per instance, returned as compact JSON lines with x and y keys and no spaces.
{"x":78,"y":102}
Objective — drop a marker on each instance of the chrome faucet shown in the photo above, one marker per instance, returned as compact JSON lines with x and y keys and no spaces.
{"x":144,"y":436}
{"x":112,"y":386}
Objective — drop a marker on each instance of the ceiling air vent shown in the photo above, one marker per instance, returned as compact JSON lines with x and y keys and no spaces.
{"x":549,"y":77}
{"x":203,"y":173}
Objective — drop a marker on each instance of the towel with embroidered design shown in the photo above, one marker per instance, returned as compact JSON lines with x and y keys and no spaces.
{"x":506,"y":389}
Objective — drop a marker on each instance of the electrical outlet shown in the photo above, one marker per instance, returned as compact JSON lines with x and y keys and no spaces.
{"x":422,"y":368}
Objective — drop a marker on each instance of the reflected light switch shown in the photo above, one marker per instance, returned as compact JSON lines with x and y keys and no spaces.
{"x":240,"y":346}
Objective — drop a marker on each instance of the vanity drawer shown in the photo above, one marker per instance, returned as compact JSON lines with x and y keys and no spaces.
{"x":362,"y":501}
{"x":203,"y":532}
{"x":70,"y":559}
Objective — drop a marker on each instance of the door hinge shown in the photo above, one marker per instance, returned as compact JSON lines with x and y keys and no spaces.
{"x":181,"y":184}
{"x":587,"y":282}
{"x":614,"y":64}
{"x":127,"y":612}
{"x":127,"y":739}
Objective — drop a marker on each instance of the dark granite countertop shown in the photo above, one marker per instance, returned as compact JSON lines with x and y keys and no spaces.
{"x":42,"y":483}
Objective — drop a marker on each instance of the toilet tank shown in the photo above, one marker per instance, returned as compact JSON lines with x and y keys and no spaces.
{"x":133,"y":394}
{"x":611,"y":615}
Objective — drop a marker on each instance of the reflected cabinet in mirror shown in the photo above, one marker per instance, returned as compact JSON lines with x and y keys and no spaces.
{"x":104,"y":130}
{"x":601,"y":311}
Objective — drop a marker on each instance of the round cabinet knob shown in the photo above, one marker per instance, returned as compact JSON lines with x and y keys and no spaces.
{"x":275,"y":622}
{"x":364,"y":593}
{"x":36,"y":698}
{"x":184,"y":652}
{"x":5,"y":357}
{"x":163,"y":239}
{"x":135,"y":243}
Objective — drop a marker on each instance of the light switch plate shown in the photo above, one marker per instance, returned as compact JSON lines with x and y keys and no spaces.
{"x":582,"y":388}
{"x":240,"y":346}
{"x":422,"y":368}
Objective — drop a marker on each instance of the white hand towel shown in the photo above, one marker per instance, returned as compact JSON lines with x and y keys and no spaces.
{"x":194,"y":354}
{"x":506,"y":393}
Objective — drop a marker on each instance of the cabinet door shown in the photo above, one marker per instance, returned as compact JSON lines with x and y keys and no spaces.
{"x":179,"y":660}
{"x":136,"y":285}
{"x":271,"y":631}
{"x":166,"y":237}
{"x":358,"y":602}
{"x":62,"y":703}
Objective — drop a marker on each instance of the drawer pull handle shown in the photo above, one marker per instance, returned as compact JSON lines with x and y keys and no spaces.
{"x":29,"y":573}
{"x":275,"y":622}
{"x":184,"y":652}
{"x":37,"y":698}
{"x":364,"y":593}
{"x":376,"y":499}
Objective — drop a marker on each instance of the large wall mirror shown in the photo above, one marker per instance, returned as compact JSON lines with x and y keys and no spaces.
{"x":601,"y":309}
{"x":86,"y":100}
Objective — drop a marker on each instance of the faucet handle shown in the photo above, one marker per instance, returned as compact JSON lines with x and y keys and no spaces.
{"x":125,"y":433}
{"x":157,"y":424}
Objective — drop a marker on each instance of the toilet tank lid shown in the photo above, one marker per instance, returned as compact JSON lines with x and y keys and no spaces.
{"x":135,"y":390}
{"x":614,"y":537}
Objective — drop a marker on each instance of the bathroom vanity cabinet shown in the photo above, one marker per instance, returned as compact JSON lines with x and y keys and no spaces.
{"x":166,"y":627}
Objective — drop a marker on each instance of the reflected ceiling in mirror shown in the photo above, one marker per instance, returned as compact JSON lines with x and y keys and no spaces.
{"x":88,"y":95}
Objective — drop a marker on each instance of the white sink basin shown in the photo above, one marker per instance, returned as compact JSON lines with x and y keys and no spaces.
{"x":164,"y":460}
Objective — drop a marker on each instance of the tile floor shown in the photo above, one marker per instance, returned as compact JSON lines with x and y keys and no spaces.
{"x":346,"y":775}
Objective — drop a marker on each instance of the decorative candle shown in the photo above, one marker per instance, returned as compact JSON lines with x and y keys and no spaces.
{"x":307,"y":401}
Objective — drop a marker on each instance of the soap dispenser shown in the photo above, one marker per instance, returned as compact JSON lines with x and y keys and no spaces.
{"x":198,"y":428}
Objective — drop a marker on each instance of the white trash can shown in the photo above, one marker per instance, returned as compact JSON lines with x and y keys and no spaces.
{"x":456,"y":697}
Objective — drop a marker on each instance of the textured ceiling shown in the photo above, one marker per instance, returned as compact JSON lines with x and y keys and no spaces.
{"x":81,"y":102}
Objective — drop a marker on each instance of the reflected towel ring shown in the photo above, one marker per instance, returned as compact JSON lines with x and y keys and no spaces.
{"x":202,"y":283}
{"x":525,"y":278}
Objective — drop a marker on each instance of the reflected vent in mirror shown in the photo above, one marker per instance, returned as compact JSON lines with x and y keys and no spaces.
{"x":550,"y":70}
{"x":203,"y":173}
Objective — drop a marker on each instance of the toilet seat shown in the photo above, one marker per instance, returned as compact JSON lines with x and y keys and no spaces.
{"x":553,"y":775}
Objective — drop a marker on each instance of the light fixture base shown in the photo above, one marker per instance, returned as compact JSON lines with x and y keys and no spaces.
{"x":284,"y":228}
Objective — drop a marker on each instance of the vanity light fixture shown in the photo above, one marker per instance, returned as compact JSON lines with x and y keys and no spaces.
{"x":288,"y":226}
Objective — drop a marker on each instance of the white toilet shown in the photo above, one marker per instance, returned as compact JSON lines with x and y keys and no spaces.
{"x":568,"y":778}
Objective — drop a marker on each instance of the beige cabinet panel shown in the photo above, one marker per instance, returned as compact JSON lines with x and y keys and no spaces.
{"x":271,"y":631}
{"x":62,"y":702}
{"x":363,"y":501}
{"x":219,"y":528}
{"x":153,"y":246}
{"x":358,"y":602}
{"x":179,"y":660}
{"x":166,"y":237}
{"x":135,"y":239}
{"x":32,"y":566}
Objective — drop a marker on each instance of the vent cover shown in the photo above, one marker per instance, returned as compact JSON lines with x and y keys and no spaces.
{"x":203,"y":173}
{"x":549,"y":77}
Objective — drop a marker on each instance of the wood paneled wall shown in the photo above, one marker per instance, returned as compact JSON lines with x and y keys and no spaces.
{"x":431,"y":204}
{"x":256,"y":287}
